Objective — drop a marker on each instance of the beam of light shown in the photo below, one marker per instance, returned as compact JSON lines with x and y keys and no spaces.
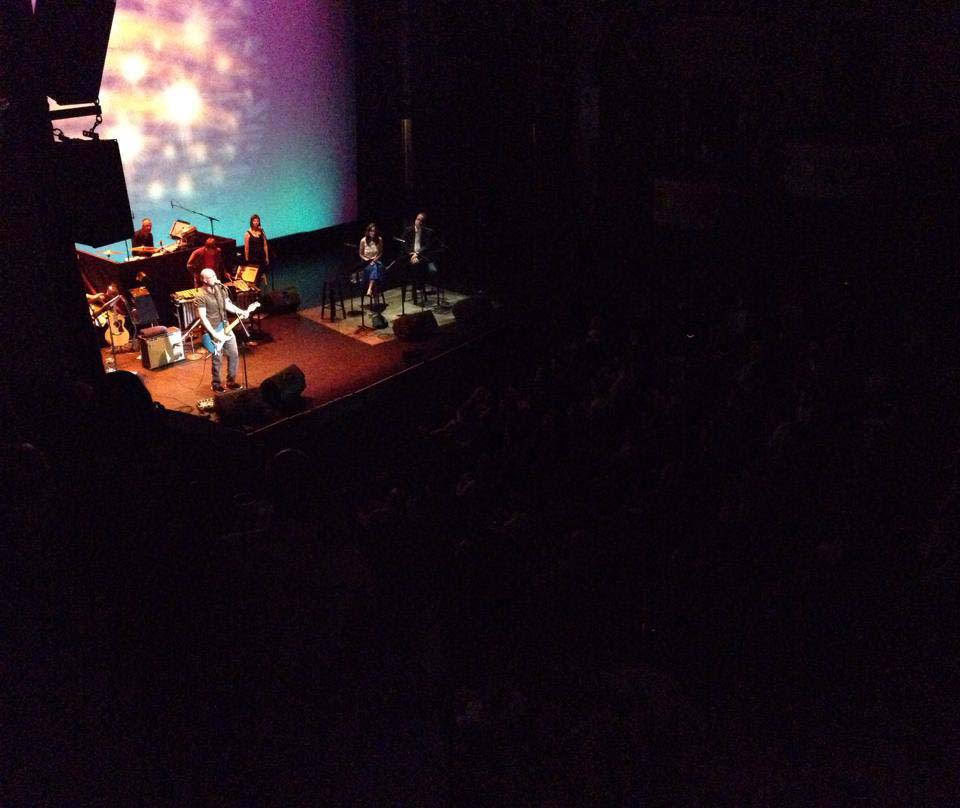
{"x":182,"y":103}
{"x":196,"y":30}
{"x":131,"y":139}
{"x":133,"y":68}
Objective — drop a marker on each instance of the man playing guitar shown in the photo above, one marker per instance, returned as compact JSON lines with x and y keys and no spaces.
{"x":213,"y":305}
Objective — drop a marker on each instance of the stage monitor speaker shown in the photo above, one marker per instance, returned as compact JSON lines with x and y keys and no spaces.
{"x":73,"y":40}
{"x":282,"y":300}
{"x":472,"y":310}
{"x":283,"y":389}
{"x":240,"y":407}
{"x":91,"y":186}
{"x":415,"y":327}
{"x":143,"y":310}
{"x":160,"y":349}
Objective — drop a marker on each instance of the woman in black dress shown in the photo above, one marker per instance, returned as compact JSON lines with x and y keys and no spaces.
{"x":255,"y":248}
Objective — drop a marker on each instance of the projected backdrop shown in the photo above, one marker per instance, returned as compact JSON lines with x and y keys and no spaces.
{"x":231,"y":108}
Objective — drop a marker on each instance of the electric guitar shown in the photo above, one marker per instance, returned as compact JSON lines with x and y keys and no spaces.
{"x":216,"y":346}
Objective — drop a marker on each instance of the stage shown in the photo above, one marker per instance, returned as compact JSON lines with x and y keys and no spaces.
{"x":337,"y":359}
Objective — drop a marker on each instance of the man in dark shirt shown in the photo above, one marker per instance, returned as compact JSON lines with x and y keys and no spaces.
{"x":213,"y":306}
{"x":420,"y":245}
{"x":144,"y":236}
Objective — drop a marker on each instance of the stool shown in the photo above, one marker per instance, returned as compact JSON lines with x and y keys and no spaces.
{"x":331,"y":295}
{"x":412,"y":283}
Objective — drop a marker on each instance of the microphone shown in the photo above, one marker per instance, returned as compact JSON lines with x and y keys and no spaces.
{"x":397,"y":238}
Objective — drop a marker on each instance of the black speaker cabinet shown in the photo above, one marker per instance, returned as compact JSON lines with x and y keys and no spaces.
{"x":239,"y":407}
{"x":415,"y":327}
{"x":283,"y":389}
{"x":90,"y":182}
{"x":73,"y":39}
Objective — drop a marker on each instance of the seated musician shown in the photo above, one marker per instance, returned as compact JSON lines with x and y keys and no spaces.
{"x":144,"y":236}
{"x":371,"y":251}
{"x":97,"y":299}
{"x":206,"y":257}
{"x":103,"y":315}
{"x":421,"y":244}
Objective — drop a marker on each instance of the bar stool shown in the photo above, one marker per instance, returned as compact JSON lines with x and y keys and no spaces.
{"x":427,"y":279}
{"x":331,"y":294}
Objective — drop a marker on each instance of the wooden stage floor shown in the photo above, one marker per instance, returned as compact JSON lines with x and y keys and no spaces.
{"x":334,"y":364}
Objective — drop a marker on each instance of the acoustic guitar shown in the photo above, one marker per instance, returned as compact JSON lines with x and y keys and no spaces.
{"x":116,"y":333}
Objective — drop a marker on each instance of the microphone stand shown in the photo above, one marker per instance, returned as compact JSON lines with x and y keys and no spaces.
{"x":212,"y":219}
{"x":243,"y":354}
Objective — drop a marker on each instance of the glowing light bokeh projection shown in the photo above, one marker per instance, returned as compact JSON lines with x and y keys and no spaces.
{"x":233,"y":107}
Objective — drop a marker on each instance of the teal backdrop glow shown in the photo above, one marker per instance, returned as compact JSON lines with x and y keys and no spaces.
{"x":233,"y":108}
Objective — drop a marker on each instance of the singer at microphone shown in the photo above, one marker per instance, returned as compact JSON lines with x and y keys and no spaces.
{"x":213,"y":308}
{"x":208,"y":256}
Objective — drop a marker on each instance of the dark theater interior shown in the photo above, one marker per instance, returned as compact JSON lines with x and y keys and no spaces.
{"x":480,"y":403}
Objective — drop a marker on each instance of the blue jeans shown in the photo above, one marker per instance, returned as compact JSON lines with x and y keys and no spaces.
{"x":373,"y":271}
{"x":232,"y":353}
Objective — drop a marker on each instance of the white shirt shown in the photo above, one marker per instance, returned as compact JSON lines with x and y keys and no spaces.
{"x":370,"y":249}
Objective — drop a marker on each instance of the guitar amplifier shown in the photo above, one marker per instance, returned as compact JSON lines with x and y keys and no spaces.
{"x":160,"y":349}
